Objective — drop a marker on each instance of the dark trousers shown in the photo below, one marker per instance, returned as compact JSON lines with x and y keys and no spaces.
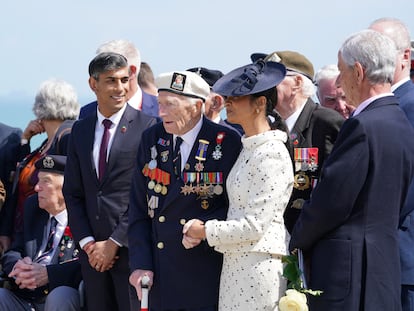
{"x":109,"y":290}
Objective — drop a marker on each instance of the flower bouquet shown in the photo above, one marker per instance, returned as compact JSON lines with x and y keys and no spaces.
{"x":295,"y":298}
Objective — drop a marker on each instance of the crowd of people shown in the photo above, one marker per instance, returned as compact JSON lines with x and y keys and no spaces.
{"x":153,"y":185}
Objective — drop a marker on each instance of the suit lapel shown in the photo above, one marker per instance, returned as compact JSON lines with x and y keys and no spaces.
{"x":297,"y":134}
{"x":120,"y":139}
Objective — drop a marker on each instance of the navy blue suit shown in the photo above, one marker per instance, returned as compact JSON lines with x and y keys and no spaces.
{"x":149,"y":106}
{"x":100,"y":208}
{"x":349,"y":226}
{"x":405,"y":95}
{"x":184,"y":279}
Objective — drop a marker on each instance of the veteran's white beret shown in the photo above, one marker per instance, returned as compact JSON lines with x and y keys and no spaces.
{"x":183,"y":83}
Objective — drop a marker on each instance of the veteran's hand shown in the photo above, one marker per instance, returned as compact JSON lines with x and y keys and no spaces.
{"x":194,"y":228}
{"x":135,"y":280}
{"x":28,"y":274}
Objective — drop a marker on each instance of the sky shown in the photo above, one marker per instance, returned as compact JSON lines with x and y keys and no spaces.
{"x":57,"y":39}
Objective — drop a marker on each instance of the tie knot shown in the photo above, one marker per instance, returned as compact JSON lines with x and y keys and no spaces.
{"x":53,"y":222}
{"x":178,"y":142}
{"x":107,"y":123}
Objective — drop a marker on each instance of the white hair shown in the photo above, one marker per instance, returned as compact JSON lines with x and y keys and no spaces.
{"x":125,"y":48}
{"x":56,"y":100}
{"x":328,"y":72}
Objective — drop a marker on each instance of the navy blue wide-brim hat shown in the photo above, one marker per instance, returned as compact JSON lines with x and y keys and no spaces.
{"x":250,"y":79}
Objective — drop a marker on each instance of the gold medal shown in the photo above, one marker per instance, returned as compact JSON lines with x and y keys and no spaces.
{"x":301,"y":181}
{"x":204,"y":204}
{"x":158,"y":188}
{"x":164,"y":190}
{"x":151,"y":185}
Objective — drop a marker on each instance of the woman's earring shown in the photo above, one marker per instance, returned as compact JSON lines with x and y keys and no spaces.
{"x":257,"y":110}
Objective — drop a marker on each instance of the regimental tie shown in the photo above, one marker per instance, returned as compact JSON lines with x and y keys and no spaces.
{"x":103,"y":151}
{"x":45,"y":255}
{"x":177,"y":156}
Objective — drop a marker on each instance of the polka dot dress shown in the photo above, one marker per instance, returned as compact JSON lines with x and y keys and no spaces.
{"x":253,"y":237}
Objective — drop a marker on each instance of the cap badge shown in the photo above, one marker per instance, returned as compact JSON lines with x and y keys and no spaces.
{"x":178,"y":81}
{"x":48,"y":162}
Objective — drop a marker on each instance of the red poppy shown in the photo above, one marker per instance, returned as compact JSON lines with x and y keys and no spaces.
{"x":68,"y":233}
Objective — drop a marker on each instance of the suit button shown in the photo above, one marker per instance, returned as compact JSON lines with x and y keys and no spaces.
{"x":160,"y":245}
{"x":161,"y":219}
{"x":182,"y":221}
{"x":97,"y":217}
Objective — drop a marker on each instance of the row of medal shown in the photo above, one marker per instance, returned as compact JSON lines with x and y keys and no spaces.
{"x":306,"y":165}
{"x":159,"y":179}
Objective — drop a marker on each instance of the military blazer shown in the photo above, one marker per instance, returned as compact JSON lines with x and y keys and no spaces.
{"x":316,"y":127}
{"x":349,"y":227}
{"x":184,"y":278}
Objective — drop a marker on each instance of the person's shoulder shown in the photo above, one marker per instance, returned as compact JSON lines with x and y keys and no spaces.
{"x":88,"y":109}
{"x":6,"y":130}
{"x":216,"y":129}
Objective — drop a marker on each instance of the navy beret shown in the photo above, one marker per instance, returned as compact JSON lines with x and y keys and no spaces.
{"x":250,"y":79}
{"x":209,"y":75}
{"x":52,"y":163}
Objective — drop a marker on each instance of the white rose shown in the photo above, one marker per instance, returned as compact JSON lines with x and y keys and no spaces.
{"x":293,"y":301}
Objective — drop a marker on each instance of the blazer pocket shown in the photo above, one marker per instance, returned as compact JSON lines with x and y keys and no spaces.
{"x":331,"y":268}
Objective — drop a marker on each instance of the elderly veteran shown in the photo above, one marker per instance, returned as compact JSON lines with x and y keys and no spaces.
{"x":183,"y":164}
{"x":43,"y":259}
{"x":313,"y":128}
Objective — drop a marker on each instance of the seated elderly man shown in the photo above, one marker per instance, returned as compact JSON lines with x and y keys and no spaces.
{"x":42,"y":261}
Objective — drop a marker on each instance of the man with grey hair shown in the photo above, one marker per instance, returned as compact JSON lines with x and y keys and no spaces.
{"x":313,"y":129}
{"x":348,"y":229}
{"x":183,"y":164}
{"x":403,"y":88}
{"x":101,"y":160}
{"x":137,"y":98}
{"x":330,"y":94}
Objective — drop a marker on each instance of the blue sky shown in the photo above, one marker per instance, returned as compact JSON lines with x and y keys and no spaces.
{"x":44,"y":39}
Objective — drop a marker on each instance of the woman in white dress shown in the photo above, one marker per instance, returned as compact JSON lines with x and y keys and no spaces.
{"x":253,"y":238}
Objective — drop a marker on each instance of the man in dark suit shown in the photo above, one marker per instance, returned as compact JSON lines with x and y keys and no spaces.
{"x":349,"y":227}
{"x":101,"y":158}
{"x":9,"y":156}
{"x":137,"y":98}
{"x":313,"y":128}
{"x":183,"y":164}
{"x":43,"y":260}
{"x":403,"y":89}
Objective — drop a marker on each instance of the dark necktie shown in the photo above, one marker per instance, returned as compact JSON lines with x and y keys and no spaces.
{"x":177,"y":156}
{"x":49,"y":244}
{"x":104,"y":148}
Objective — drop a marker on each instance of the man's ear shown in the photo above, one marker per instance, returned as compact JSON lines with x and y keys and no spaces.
{"x":218,"y":103}
{"x":92,"y":84}
{"x":133,"y":71}
{"x":359,"y":73}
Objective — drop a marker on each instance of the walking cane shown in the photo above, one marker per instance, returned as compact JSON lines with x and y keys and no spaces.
{"x":144,"y":287}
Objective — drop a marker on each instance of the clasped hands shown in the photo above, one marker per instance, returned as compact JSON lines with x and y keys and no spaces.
{"x":101,"y":254}
{"x":29,"y":274}
{"x":193,"y":233}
